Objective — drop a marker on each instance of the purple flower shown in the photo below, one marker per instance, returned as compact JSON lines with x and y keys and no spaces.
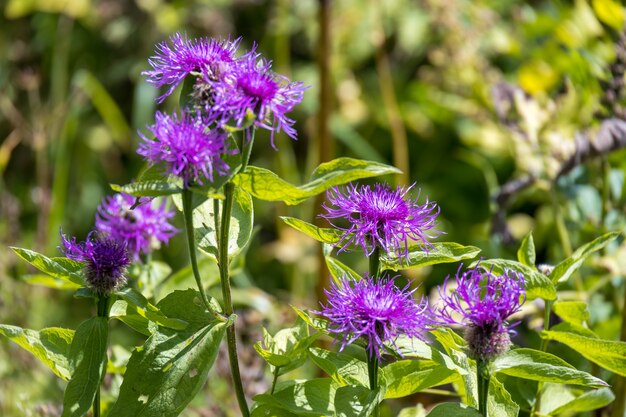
{"x":251,"y":89}
{"x":171,"y":64}
{"x":482,"y":301}
{"x":185,"y":145}
{"x":376,"y":311}
{"x":142,"y":228}
{"x":105,"y":261}
{"x":382,"y":217}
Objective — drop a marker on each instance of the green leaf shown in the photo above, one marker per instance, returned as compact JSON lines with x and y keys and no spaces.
{"x":186,"y":99}
{"x":338,"y":270}
{"x":241,"y":224}
{"x":610,"y":12}
{"x":555,"y":403}
{"x":265,"y":185}
{"x":407,"y":377}
{"x":88,"y":358}
{"x":62,"y":269}
{"x":541,"y":366}
{"x":526,"y":252}
{"x":499,"y":402}
{"x":608,"y":354}
{"x":287,"y":349}
{"x":50,"y":282}
{"x":51,"y":346}
{"x":315,"y":397}
{"x":566,"y":268}
{"x":144,"y":308}
{"x":353,"y":401}
{"x":150,"y":188}
{"x":574,"y":312}
{"x":537,"y":285}
{"x":164,"y":374}
{"x":342,"y":368}
{"x":321,"y":234}
{"x":440,"y":253}
{"x":453,"y":409}
{"x":127,"y":314}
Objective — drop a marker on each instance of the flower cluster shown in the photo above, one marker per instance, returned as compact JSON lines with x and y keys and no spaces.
{"x":143,"y":226}
{"x":382,"y":217}
{"x":375,"y":310}
{"x":105,"y":261}
{"x":483,"y":301}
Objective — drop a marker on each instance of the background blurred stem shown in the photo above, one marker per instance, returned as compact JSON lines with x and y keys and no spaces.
{"x":223,"y":264}
{"x":325,"y":148}
{"x":103,"y":311}
{"x":385,"y":81}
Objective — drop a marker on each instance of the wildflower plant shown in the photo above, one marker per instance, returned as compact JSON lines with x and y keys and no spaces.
{"x":198,"y":158}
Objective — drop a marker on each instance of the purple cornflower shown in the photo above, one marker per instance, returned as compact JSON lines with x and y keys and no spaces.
{"x":171,"y":64}
{"x":382,"y":217}
{"x":252,"y":88}
{"x":185,"y":145}
{"x":143,"y":228}
{"x":105,"y":261}
{"x":482,"y":301}
{"x":376,"y":311}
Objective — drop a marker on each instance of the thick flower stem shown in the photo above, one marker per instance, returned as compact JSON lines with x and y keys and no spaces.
{"x":103,"y":311}
{"x":372,"y":359}
{"x":223,"y":263}
{"x":482,"y":376}
{"x":247,"y":141}
{"x":188,"y":215}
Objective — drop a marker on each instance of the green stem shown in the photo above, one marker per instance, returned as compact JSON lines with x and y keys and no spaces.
{"x":246,"y":147}
{"x":374,"y":261}
{"x":223,"y":263}
{"x":275,"y":380}
{"x":482,"y":376}
{"x":103,"y":311}
{"x":188,"y":215}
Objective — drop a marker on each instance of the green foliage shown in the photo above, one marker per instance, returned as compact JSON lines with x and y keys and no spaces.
{"x":440,"y":253}
{"x":88,"y":360}
{"x":453,"y":409}
{"x":66,"y":273}
{"x":164,"y":374}
{"x":537,"y":285}
{"x":51,"y":346}
{"x":287,"y":349}
{"x":265,"y":185}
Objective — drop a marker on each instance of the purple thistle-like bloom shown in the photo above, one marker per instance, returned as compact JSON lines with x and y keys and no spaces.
{"x":382,"y":217}
{"x":105,"y":261}
{"x":482,"y":301}
{"x":251,"y":87}
{"x":171,"y":64}
{"x":377,"y":312}
{"x":142,"y":228}
{"x":186,"y":147}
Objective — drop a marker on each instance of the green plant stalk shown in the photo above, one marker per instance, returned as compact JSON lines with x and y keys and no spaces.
{"x":223,"y":264}
{"x":482,"y":376}
{"x":103,"y":311}
{"x":275,"y":379}
{"x":246,"y":147}
{"x":372,"y":359}
{"x":543,"y":347}
{"x":188,"y":215}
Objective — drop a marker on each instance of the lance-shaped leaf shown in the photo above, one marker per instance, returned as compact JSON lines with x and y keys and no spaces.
{"x":62,"y":269}
{"x":609,"y":354}
{"x":407,"y":377}
{"x":342,"y":368}
{"x":321,"y":234}
{"x":265,"y":185}
{"x":164,"y":374}
{"x":453,"y":409}
{"x":542,"y":366}
{"x":351,"y":401}
{"x":144,"y":308}
{"x":557,"y":399}
{"x":526,"y":252}
{"x":440,"y":253}
{"x":51,"y":346}
{"x":88,"y":359}
{"x":566,"y":268}
{"x":499,"y":401}
{"x":536,"y":284}
{"x":338,"y":270}
{"x":315,"y":397}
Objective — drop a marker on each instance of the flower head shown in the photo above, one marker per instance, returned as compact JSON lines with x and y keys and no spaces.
{"x":105,"y":261}
{"x":382,"y":217}
{"x":185,"y":146}
{"x":143,"y":227}
{"x":252,"y":88}
{"x":377,"y":312}
{"x":483,"y":301}
{"x":171,"y":64}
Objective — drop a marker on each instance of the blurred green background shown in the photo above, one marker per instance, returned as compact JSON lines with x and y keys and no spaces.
{"x":411,"y":83}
